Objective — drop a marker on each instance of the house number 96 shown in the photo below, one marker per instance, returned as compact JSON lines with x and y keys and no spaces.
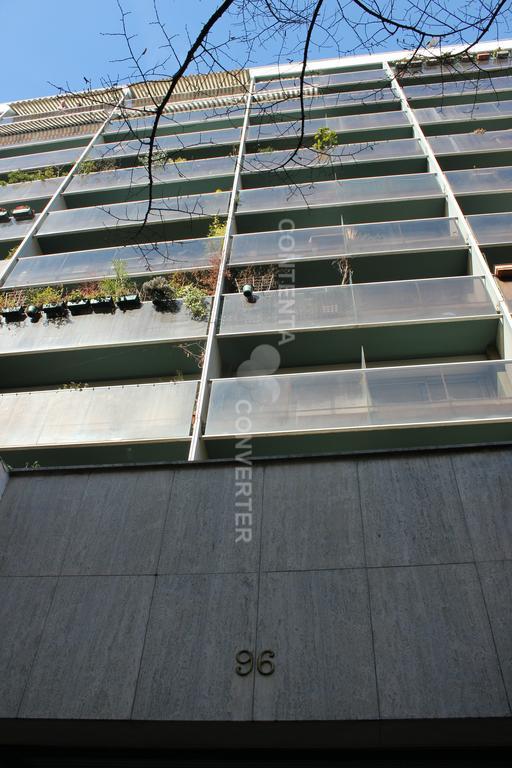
{"x":245,"y":663}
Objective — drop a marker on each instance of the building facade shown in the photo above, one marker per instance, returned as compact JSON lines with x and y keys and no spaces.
{"x":265,"y":501}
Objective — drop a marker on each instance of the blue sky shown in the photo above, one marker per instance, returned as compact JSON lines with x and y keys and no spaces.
{"x":60,"y":42}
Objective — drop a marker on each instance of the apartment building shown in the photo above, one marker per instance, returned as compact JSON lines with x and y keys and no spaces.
{"x":263,"y":502}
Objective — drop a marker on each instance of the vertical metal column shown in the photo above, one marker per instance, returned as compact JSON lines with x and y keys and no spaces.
{"x":212,"y":362}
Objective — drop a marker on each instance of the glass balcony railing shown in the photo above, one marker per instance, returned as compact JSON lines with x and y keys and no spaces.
{"x":204,"y":140}
{"x":492,"y":228}
{"x":369,"y":304}
{"x":331,"y":80}
{"x":348,"y":124}
{"x":83,"y":266}
{"x":267,"y":109}
{"x":28,"y":190}
{"x":458,"y":69}
{"x":97,"y":415}
{"x":176,"y":122}
{"x":459,"y":143}
{"x":342,"y":192}
{"x":162,"y":174}
{"x":57,"y":157}
{"x":331,"y":401}
{"x":480,"y":180}
{"x":464,"y":112}
{"x":396,"y":149}
{"x":143,"y":326}
{"x":14,"y":230}
{"x":349,"y":240}
{"x":124,"y":215}
{"x":481,"y":84}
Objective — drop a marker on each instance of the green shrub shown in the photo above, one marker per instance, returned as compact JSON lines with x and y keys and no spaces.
{"x":194,"y":300}
{"x":95,"y":166}
{"x":49,"y":295}
{"x":119,"y":284}
{"x":75,"y":295}
{"x":324,"y":139}
{"x":41,"y":174}
{"x":158,"y":289}
{"x":217,"y":227}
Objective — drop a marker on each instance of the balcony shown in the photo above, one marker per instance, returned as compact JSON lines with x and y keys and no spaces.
{"x":332,"y":80}
{"x":355,"y":200}
{"x":135,"y":344}
{"x":139,"y":261}
{"x":480,"y":88}
{"x":471,"y":150}
{"x":35,"y":193}
{"x":391,"y":321}
{"x":97,"y":424}
{"x":120,"y":223}
{"x":395,"y":250}
{"x":483,"y":190}
{"x":494,"y":234}
{"x":350,"y":102}
{"x":323,"y":411}
{"x":44,"y":145}
{"x":265,"y":169}
{"x":458,"y":70}
{"x":58,"y":157}
{"x":189,"y":145}
{"x":487,"y":115}
{"x":353,"y":128}
{"x":169,"y":180}
{"x":176,"y":122}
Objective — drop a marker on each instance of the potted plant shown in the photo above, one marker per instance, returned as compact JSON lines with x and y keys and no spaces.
{"x":120,"y":288}
{"x":50,"y":300}
{"x":217,"y":227}
{"x":483,"y":56}
{"x":324,"y":139}
{"x":160,"y":292}
{"x":77,"y":301}
{"x":12,"y":306}
{"x":4,"y":215}
{"x":23,"y":212}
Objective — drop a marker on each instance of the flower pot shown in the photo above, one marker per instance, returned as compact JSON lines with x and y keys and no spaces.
{"x":102,"y":304}
{"x":483,"y":56}
{"x":502,"y":54}
{"x":12,"y":314}
{"x":79,"y":307}
{"x":33,"y":312}
{"x":4,"y":215}
{"x":22,"y":212}
{"x":54,"y":310}
{"x":129,"y":301}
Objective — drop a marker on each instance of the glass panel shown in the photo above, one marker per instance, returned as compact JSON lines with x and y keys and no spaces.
{"x":480,"y":180}
{"x":177,"y":120}
{"x":348,"y":240}
{"x":137,"y":147}
{"x":348,"y":153}
{"x":335,"y":306}
{"x":460,"y":68}
{"x":97,"y":415}
{"x":80,"y":266}
{"x":492,"y":228}
{"x":121,"y":215}
{"x":324,"y":81}
{"x":15,"y":230}
{"x":29,"y":190}
{"x":98,"y":330}
{"x":338,"y":124}
{"x":342,"y":192}
{"x":128,"y":177}
{"x":487,"y":110}
{"x":481,"y":84}
{"x":471,"y":142}
{"x":338,"y":400}
{"x":324,"y":101}
{"x":40,"y":160}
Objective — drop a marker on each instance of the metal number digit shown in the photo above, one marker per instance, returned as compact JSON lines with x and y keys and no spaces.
{"x":264,"y":664}
{"x":245,"y":663}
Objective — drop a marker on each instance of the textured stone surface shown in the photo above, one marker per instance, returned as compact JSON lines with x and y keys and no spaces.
{"x":412,"y":512}
{"x":36,"y":520}
{"x":118,"y":528}
{"x":200,"y":535}
{"x":497,"y":586}
{"x":24,"y":605}
{"x":89,"y":655}
{"x":311,"y":516}
{"x":484,"y":479}
{"x":318,"y":625}
{"x":434,"y":651}
{"x":197,"y":625}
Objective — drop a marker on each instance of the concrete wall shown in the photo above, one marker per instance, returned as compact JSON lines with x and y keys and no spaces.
{"x":382,"y":585}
